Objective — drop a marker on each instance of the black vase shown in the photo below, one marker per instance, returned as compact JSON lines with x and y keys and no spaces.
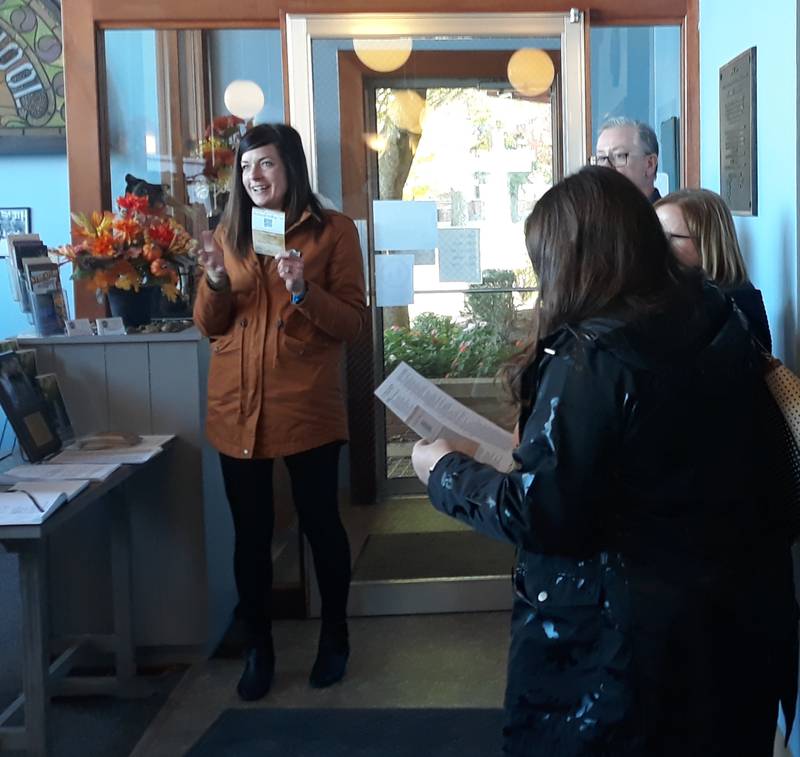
{"x":135,"y":308}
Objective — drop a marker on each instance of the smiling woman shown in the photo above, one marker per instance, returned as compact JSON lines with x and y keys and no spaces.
{"x":264,"y":177}
{"x":278,"y":325}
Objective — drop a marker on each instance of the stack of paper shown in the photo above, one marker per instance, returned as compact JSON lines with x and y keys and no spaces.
{"x":46,"y":472}
{"x":147,"y":448}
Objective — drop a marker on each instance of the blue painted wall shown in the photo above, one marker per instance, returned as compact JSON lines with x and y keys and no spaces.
{"x":769,"y":241}
{"x":38,"y":182}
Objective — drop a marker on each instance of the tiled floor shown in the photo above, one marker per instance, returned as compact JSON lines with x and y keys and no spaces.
{"x":407,"y":661}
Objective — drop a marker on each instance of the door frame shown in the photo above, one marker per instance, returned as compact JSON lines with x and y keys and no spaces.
{"x":300,"y":32}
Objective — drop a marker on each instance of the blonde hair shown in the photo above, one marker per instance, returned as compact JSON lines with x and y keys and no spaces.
{"x":711,"y":225}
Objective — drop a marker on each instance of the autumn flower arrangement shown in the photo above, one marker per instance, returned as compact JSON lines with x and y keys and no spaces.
{"x":218,"y":149}
{"x":130,"y":249}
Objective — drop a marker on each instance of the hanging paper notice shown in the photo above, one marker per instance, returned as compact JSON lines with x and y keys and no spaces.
{"x":460,"y":255}
{"x":403,"y":225}
{"x":268,"y":231}
{"x":394,"y":280}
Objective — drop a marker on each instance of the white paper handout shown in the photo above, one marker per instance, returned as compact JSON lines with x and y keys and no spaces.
{"x":18,"y":508}
{"x":269,"y":227}
{"x":394,"y":280}
{"x":404,"y":225}
{"x":47,"y":472}
{"x":434,"y":414}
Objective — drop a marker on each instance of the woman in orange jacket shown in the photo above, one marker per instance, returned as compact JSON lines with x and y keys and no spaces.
{"x":278,"y":327}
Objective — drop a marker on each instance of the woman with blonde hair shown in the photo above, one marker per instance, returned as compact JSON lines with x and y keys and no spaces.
{"x":700,"y":229}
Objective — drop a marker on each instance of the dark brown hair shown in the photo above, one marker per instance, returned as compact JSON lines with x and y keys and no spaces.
{"x":597,"y":249}
{"x":236,"y":220}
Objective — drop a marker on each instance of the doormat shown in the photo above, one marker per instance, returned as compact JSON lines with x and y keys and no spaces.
{"x":353,"y":733}
{"x":446,"y":554}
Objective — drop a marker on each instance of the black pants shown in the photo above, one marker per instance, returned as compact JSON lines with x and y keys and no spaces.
{"x":314,"y":478}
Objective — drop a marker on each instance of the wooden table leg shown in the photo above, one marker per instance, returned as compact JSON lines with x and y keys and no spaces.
{"x":35,"y":642}
{"x":121,"y":589}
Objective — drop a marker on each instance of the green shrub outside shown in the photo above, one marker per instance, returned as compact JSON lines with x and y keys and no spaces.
{"x":439,"y":347}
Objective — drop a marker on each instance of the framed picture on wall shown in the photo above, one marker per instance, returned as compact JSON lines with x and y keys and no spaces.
{"x":14,"y":221}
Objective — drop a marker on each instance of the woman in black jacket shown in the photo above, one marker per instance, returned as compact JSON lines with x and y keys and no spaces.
{"x":700,"y":229}
{"x":654,"y":610}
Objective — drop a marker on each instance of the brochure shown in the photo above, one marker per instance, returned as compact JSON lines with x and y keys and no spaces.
{"x":434,"y":414}
{"x":269,"y":227}
{"x":45,"y":296}
{"x":59,"y":417}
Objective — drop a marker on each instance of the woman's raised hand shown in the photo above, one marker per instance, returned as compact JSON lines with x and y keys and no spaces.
{"x":212,"y":259}
{"x":290,"y":269}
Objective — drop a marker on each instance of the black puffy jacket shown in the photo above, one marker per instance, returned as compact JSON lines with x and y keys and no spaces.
{"x":654,"y":610}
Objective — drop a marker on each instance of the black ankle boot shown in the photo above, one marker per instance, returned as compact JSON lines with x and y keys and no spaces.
{"x":259,"y":669}
{"x":331,"y":662}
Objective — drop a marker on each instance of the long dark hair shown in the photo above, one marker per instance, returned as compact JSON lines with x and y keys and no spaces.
{"x":236,"y":220}
{"x":597,"y":248}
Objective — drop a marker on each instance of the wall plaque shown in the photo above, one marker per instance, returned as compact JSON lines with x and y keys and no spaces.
{"x":31,"y":71}
{"x":737,"y":139}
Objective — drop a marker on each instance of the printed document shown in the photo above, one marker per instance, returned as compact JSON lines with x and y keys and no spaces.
{"x":434,"y":414}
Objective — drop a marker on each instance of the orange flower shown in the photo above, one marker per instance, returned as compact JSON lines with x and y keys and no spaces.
{"x":162,"y":233}
{"x":103,"y":246}
{"x":151,"y":252}
{"x":128,"y":229}
{"x":133,"y":203}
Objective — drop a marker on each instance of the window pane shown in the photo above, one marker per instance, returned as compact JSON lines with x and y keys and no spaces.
{"x":636,"y":74}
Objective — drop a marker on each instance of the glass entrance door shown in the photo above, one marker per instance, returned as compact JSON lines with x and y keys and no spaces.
{"x":452,"y":123}
{"x":483,"y":153}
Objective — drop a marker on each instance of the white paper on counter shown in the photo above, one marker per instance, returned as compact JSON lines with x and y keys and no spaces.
{"x":394,"y":280}
{"x":434,"y":414}
{"x":402,"y":225}
{"x":48,"y":472}
{"x":460,"y":255}
{"x":130,"y":456}
{"x":146,"y":443}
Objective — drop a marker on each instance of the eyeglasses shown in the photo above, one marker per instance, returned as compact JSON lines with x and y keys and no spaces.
{"x":614,"y":159}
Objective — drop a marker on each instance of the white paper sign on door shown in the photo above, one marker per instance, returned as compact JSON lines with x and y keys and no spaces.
{"x":460,"y":255}
{"x":394,"y":280}
{"x":401,"y":225}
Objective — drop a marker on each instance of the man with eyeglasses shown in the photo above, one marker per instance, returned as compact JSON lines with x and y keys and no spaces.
{"x":631,"y":148}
